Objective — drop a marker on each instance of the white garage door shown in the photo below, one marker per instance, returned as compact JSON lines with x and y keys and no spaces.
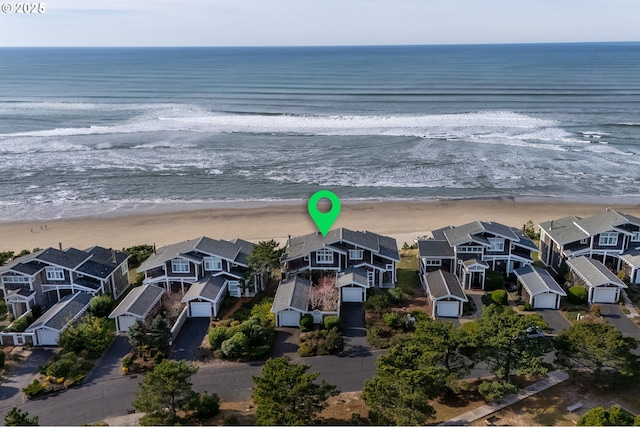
{"x":47,"y":337}
{"x":604,"y":295}
{"x":289,"y":318}
{"x":544,"y":301}
{"x":353,"y":294}
{"x":125,"y":322}
{"x":200,"y":309}
{"x":447,"y":308}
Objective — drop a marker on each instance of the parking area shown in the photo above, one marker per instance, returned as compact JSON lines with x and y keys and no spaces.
{"x":286,"y":342}
{"x":189,"y":339}
{"x":614,"y":315}
{"x":555,"y":320}
{"x":355,"y":334}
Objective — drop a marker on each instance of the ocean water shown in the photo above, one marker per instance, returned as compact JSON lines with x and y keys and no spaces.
{"x":93,"y":131}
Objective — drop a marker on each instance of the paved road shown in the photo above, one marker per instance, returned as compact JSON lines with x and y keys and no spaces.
{"x":555,"y":320}
{"x":613,"y":315}
{"x":21,"y":376}
{"x":189,"y":339}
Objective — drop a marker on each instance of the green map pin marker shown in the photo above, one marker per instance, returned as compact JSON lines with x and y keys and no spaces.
{"x":324,"y":220}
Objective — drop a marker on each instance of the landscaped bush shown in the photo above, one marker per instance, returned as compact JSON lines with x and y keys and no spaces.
{"x":378,"y":303}
{"x":33,"y":389}
{"x":334,"y":342}
{"x":217,"y":335}
{"x":493,"y":280}
{"x":397,"y":295}
{"x":614,"y":416}
{"x":331,"y":322}
{"x":235,"y":346}
{"x":101,"y":305}
{"x":563,"y":273}
{"x":578,"y":295}
{"x":93,"y":334}
{"x":3,"y":309}
{"x":306,"y":323}
{"x":68,"y":365}
{"x":492,"y":390}
{"x":499,"y":296}
{"x":207,"y":405}
{"x":391,"y":319}
{"x":305,"y":350}
{"x":320,"y":342}
{"x":1,"y":358}
{"x":379,"y":337}
{"x":21,"y":324}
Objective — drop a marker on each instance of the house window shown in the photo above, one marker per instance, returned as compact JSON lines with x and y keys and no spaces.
{"x":356,"y":254}
{"x":15,"y":279}
{"x":635,"y":237}
{"x":179,"y":266}
{"x":496,"y":244}
{"x":583,"y":241}
{"x":433,"y":262}
{"x":54,"y":273}
{"x":234,"y":289}
{"x":389,"y":267}
{"x":324,"y":256}
{"x":212,"y":264}
{"x":608,"y":239}
{"x":124,"y":269}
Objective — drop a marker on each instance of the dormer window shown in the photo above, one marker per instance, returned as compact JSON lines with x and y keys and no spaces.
{"x":324,"y":256}
{"x":179,"y":266}
{"x":496,"y":244}
{"x":54,"y":273}
{"x":608,"y":239}
{"x":212,"y":264}
{"x":356,"y":254}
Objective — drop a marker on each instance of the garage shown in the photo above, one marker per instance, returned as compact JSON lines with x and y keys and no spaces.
{"x":47,"y":337}
{"x":125,"y":322}
{"x":604,"y":296}
{"x":546,"y":300}
{"x":289,"y":318}
{"x":447,"y":308}
{"x":200,"y":309}
{"x":353,"y":294}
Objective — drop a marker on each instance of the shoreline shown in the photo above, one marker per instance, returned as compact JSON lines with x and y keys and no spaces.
{"x":403,"y":220}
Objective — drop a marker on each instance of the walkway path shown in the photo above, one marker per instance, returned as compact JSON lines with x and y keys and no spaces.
{"x":553,"y":378}
{"x":633,"y":313}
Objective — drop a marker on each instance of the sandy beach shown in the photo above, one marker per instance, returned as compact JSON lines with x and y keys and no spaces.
{"x":402,"y":220}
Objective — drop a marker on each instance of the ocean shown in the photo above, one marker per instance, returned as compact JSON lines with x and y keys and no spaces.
{"x":87,"y":131}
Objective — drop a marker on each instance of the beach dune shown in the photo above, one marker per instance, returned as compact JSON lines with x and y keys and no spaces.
{"x":403,"y":220}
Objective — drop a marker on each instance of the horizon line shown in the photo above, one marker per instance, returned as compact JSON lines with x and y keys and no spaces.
{"x":316,"y":46}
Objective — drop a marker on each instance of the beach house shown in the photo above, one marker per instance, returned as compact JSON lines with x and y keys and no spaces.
{"x":358,"y":253}
{"x":603,"y":286}
{"x":612,"y":237}
{"x":215,"y":267}
{"x":46,"y":276}
{"x":470,"y":250}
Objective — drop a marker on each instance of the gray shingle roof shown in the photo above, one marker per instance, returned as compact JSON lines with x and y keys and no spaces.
{"x":139,"y":302}
{"x":304,"y":245}
{"x":30,"y":268}
{"x":632,"y":257}
{"x":538,"y":280}
{"x":593,"y":272}
{"x":63,"y":312}
{"x":70,"y":258}
{"x":353,"y":276}
{"x":597,"y":224}
{"x":442,"y":284}
{"x":235,"y":251}
{"x":435,"y":248}
{"x":292,"y":293}
{"x":470,"y":232}
{"x":209,"y":288}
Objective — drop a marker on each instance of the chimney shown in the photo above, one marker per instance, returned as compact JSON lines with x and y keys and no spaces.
{"x":60,"y":245}
{"x":154,"y":249}
{"x":113,"y":256}
{"x":551,"y":226}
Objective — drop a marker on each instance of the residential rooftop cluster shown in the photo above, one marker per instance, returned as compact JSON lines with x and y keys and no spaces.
{"x":204,"y":271}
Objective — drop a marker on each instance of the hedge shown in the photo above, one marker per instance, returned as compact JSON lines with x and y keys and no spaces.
{"x":577,"y":295}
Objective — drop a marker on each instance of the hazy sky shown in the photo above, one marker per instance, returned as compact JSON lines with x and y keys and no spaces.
{"x":320,"y":22}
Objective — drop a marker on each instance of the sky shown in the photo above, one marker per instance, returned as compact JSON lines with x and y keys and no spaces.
{"x":317,"y":23}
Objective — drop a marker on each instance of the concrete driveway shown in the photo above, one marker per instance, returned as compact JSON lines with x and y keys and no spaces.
{"x":189,"y":339}
{"x":555,"y":320}
{"x":354,"y":332}
{"x":109,"y":366}
{"x":21,"y":376}
{"x":613,"y":315}
{"x":286,"y":343}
